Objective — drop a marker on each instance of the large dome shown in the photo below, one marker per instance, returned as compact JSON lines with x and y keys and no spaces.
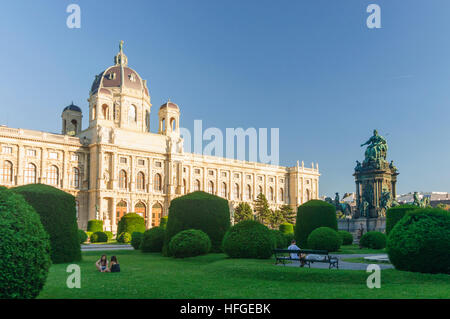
{"x":119,"y":75}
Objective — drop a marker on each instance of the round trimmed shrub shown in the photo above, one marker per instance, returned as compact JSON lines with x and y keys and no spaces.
{"x":163,"y":222}
{"x":57,"y":212}
{"x":130,"y":223}
{"x":109,"y":234}
{"x":189,"y":243}
{"x":324,"y":238}
{"x":198,"y":210}
{"x":373,"y":240}
{"x":82,"y":236}
{"x":286,"y":228}
{"x":311,"y":215}
{"x":95,"y":225}
{"x":279,"y":238}
{"x":89,"y":234}
{"x":394,"y":214}
{"x":24,"y":248}
{"x":420,"y":241}
{"x":347,"y":237}
{"x":153,"y":240}
{"x":249,"y":239}
{"x":136,"y":239}
{"x":99,"y":237}
{"x":124,"y":238}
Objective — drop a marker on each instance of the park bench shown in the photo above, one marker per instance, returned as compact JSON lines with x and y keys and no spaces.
{"x":283,"y":256}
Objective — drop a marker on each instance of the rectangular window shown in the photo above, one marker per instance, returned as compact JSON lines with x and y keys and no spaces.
{"x":197,"y":171}
{"x":211,"y":173}
{"x":249,"y":177}
{"x":7,"y":150}
{"x":158,"y":164}
{"x":75,"y":157}
{"x":53,"y":155}
{"x":224,"y":174}
{"x":236,"y":175}
{"x":141,"y":162}
{"x":123,"y":160}
{"x":184,"y":169}
{"x":271,"y":179}
{"x":260,"y":178}
{"x":31,"y":153}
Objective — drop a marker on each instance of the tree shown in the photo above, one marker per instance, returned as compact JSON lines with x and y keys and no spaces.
{"x":443,"y":206}
{"x":276,"y":217}
{"x":288,"y":214}
{"x":262,"y":209}
{"x":243,"y":212}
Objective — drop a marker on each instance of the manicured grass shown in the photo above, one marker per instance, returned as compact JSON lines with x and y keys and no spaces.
{"x":354,"y":249}
{"x":215,"y":276}
{"x":361,"y":260}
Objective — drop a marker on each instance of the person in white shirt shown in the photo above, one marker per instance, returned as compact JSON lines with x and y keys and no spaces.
{"x":293,"y":246}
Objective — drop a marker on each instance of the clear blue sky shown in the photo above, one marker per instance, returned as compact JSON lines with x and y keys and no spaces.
{"x":311,"y":68}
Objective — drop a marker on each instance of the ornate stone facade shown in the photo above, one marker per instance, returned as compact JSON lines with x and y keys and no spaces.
{"x":117,"y":165}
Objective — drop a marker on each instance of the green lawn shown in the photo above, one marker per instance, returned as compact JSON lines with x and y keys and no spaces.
{"x":215,"y":276}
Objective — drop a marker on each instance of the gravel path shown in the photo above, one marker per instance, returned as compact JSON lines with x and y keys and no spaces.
{"x":105,"y":247}
{"x":344,"y":264}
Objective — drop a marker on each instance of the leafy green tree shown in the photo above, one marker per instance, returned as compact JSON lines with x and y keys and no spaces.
{"x":276,"y":218}
{"x":262,"y":209}
{"x":288,"y":213}
{"x":443,"y":206}
{"x":243,"y":212}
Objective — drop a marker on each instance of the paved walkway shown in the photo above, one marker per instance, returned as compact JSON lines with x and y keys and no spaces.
{"x":94,"y":247}
{"x":344,"y":264}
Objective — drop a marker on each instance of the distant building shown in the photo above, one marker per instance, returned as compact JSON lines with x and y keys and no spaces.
{"x":435,"y":198}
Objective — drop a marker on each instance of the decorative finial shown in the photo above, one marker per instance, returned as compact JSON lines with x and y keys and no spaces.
{"x":121,"y":45}
{"x":168,"y":100}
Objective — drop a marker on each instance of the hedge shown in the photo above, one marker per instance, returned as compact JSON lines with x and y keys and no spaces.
{"x":109,"y":234}
{"x":95,"y":225}
{"x":99,"y":237}
{"x":420,"y":241}
{"x":249,"y":239}
{"x":279,"y":238}
{"x":324,"y":238}
{"x":198,"y":210}
{"x":163,"y":222}
{"x":189,"y":243}
{"x":373,"y":240}
{"x":286,"y":228}
{"x":152,"y":240}
{"x":57,"y":212}
{"x":82,"y":236}
{"x":136,"y":239}
{"x":24,"y":248}
{"x":394,"y":214}
{"x":130,"y":223}
{"x":311,"y":215}
{"x":347,"y":237}
{"x":124,"y":238}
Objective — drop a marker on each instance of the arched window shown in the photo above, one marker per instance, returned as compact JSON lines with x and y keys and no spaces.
{"x":7,"y":172}
{"x":30,"y":174}
{"x":140,"y":209}
{"x":236,"y":191}
{"x":260,"y":190}
{"x":249,"y":192}
{"x":224,"y":190}
{"x":132,"y":114}
{"x":76,"y":177}
{"x":147,"y":120}
{"x":184,"y":186}
{"x":157,"y":182}
{"x":211,"y":187}
{"x":270,"y":193}
{"x":307,"y":195}
{"x":121,"y":209}
{"x":140,"y":181}
{"x":123,"y":179}
{"x":196,"y":185}
{"x":173,"y":124}
{"x":53,"y":175}
{"x":105,"y":111}
{"x":156,"y":214}
{"x":94,"y":112}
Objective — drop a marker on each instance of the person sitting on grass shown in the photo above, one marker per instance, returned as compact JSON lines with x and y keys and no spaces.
{"x":114,"y":265}
{"x":294,"y":246}
{"x":102,"y":264}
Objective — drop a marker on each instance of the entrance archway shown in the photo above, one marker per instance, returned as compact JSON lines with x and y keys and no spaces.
{"x":121,"y":209}
{"x":156,"y":214}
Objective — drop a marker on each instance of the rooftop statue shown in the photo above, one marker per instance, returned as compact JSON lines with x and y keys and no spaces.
{"x":376,"y":149}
